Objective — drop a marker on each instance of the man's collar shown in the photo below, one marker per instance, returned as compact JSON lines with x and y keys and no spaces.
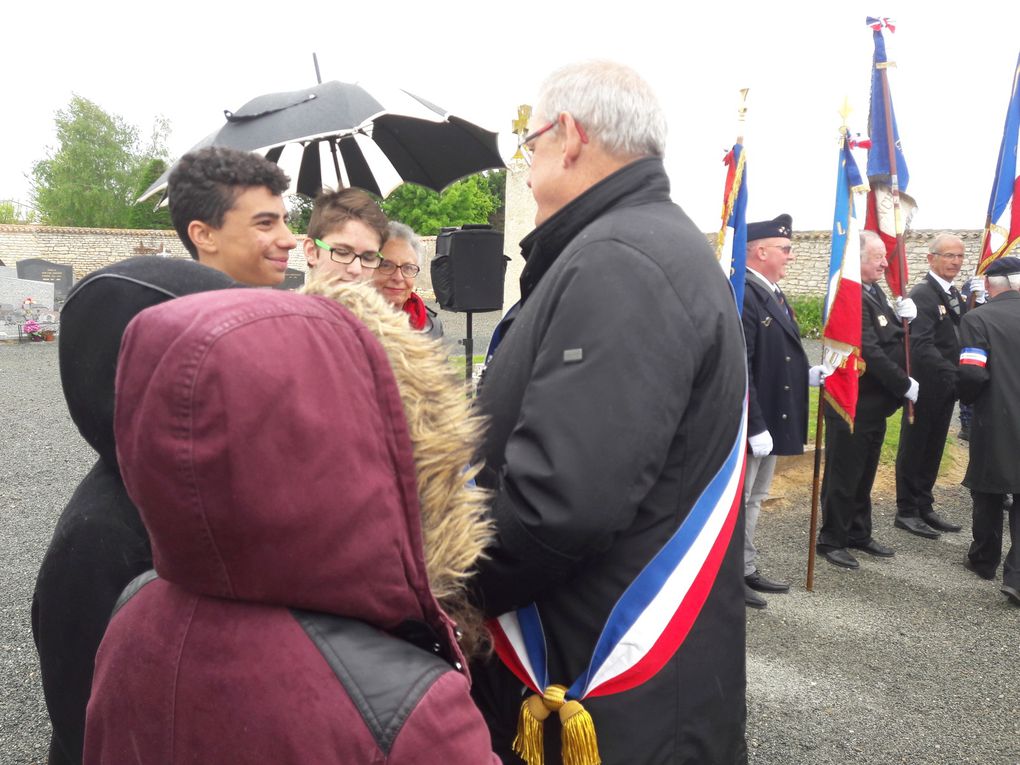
{"x":942,"y":282}
{"x":772,"y":287}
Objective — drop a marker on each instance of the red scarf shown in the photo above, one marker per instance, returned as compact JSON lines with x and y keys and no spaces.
{"x":415,"y":309}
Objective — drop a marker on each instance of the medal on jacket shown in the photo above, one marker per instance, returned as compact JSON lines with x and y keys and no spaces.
{"x":645,"y":628}
{"x":942,"y":310}
{"x":767,"y":321}
{"x":882,"y":321}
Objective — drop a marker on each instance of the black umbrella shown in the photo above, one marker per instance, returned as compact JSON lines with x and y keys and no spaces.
{"x":339,"y":135}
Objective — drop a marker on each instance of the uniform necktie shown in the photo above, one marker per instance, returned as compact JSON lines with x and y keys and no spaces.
{"x":954,"y":300}
{"x":782,"y":301}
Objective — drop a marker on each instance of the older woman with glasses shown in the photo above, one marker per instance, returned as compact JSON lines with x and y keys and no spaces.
{"x":402,"y":258}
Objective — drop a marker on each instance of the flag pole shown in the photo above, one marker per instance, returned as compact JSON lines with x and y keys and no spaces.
{"x":816,"y":482}
{"x":815,"y":490}
{"x":894,"y":184}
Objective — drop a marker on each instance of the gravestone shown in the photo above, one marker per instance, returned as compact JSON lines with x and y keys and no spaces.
{"x":14,"y":291}
{"x":292,"y":280}
{"x":59,"y":275}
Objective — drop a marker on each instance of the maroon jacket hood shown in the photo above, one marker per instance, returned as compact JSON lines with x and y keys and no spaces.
{"x":262,"y":437}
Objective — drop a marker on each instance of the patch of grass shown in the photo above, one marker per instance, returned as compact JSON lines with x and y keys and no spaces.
{"x":808,"y":309}
{"x":950,"y":457}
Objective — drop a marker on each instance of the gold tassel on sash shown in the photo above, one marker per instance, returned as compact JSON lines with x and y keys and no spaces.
{"x":580,"y":746}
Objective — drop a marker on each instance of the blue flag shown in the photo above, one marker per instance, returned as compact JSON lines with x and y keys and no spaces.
{"x":878,"y":157}
{"x":731,"y":245}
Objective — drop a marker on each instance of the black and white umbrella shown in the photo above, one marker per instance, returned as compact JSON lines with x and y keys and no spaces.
{"x":338,"y":134}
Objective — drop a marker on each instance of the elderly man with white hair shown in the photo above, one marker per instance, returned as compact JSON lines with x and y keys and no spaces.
{"x":615,"y":449}
{"x":989,"y":378}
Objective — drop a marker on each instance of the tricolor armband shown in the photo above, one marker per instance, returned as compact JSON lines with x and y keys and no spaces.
{"x":973,"y":356}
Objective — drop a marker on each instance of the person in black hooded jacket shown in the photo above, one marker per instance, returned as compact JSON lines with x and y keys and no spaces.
{"x":99,"y":544}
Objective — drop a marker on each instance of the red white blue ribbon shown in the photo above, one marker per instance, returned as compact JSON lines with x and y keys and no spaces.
{"x":973,"y":357}
{"x":656,"y":612}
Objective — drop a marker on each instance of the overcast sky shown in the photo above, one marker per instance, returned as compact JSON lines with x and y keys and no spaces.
{"x":189,"y":61}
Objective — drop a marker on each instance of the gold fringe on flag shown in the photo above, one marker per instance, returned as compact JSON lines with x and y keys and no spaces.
{"x":580,"y":746}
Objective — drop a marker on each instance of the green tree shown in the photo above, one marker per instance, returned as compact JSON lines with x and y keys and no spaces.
{"x":469,"y":200}
{"x":300,"y":208}
{"x":496,"y":180}
{"x":92,"y":178}
{"x":145,"y":215}
{"x":12,"y":212}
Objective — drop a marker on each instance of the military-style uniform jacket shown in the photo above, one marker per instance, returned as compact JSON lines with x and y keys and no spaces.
{"x":934,"y":337}
{"x":777,"y":370}
{"x":884,"y":383}
{"x":992,"y":384}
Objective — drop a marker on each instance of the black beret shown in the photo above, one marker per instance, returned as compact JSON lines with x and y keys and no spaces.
{"x":779,"y":227}
{"x":1003,"y":267}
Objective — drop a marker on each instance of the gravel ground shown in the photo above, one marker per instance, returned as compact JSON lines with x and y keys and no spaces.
{"x":908,"y":660}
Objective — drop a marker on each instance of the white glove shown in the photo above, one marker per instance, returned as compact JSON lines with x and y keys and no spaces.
{"x":905,"y":309}
{"x":761,"y":444}
{"x":816,"y":375}
{"x":977,"y":289}
{"x":911,"y":393}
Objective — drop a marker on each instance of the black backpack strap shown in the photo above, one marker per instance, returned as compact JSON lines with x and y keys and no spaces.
{"x":384,"y":676}
{"x":133,"y":587}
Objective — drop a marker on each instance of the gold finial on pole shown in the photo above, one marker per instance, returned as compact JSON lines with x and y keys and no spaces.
{"x":844,"y":112}
{"x":520,"y":126}
{"x":741,"y":114}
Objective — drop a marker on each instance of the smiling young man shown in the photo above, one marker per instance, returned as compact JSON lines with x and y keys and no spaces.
{"x":345,"y":233}
{"x":227,"y":207}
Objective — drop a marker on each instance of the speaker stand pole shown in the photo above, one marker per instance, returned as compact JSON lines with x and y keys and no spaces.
{"x":469,"y":351}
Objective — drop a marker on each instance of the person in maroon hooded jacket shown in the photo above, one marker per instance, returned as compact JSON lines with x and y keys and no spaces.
{"x":302,"y":562}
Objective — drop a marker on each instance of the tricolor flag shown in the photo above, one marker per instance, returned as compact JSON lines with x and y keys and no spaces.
{"x":1002,"y":229}
{"x":731,"y":246}
{"x":841,"y":317}
{"x":888,"y":183}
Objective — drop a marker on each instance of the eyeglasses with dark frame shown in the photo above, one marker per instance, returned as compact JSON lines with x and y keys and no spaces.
{"x":409,"y":270}
{"x":786,"y":248}
{"x":524,"y":144}
{"x":345,"y":255}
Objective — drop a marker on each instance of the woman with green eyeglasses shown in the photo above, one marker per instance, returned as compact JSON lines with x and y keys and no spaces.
{"x":402,"y":258}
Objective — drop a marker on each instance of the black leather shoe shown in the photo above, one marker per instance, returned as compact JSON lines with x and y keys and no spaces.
{"x":1012,"y":593}
{"x":871,"y":547}
{"x":915,"y":526}
{"x":756,"y":581}
{"x":939,"y":523}
{"x":753,"y":599}
{"x":840,"y":557}
{"x":969,"y":565}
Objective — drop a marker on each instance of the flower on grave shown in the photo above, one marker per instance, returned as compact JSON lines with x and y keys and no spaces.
{"x":32,"y":329}
{"x":29,"y":310}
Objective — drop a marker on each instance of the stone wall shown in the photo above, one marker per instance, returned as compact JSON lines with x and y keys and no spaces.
{"x":809,"y":271}
{"x":88,"y":249}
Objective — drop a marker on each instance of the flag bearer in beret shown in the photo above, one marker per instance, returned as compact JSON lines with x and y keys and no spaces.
{"x":989,"y":378}
{"x":778,"y":374}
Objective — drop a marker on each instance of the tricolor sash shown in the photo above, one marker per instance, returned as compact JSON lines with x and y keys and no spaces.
{"x":645,"y":628}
